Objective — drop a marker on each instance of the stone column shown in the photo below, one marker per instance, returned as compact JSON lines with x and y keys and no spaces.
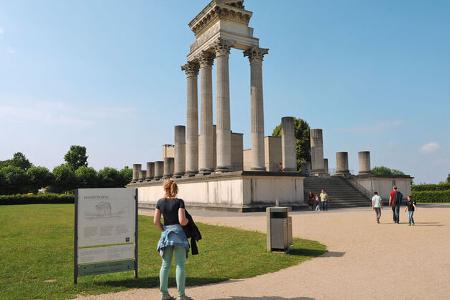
{"x":142,"y":175}
{"x":223,"y":122}
{"x":159,"y":170}
{"x":316,"y":140}
{"x":191,"y":70}
{"x":150,"y":171}
{"x":342,"y":163}
{"x":288,"y":143}
{"x":180,"y":151}
{"x":255,"y":56}
{"x":168,"y":167}
{"x":325,"y":166}
{"x":364,"y":162}
{"x":136,"y":172}
{"x":205,"y":163}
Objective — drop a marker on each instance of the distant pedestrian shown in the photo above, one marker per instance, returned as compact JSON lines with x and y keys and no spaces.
{"x":317,"y":202}
{"x":410,"y":207}
{"x":311,"y":200}
{"x":395,"y":201}
{"x":324,"y":200}
{"x":377,"y":205}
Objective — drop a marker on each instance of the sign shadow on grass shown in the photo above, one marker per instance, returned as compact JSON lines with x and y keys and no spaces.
{"x":153,"y":282}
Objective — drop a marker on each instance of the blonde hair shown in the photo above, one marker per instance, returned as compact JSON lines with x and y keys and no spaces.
{"x":170,"y":188}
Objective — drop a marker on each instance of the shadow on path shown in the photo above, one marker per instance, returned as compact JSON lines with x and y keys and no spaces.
{"x":153,"y":282}
{"x":263,"y":298}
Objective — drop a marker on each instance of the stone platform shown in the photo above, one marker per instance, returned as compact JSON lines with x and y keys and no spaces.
{"x":235,"y":191}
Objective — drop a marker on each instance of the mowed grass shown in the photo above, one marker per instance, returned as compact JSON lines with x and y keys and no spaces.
{"x":36,"y":255}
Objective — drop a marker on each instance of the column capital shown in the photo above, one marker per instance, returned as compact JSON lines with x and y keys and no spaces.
{"x":191,"y":69}
{"x":222,"y":47}
{"x":256,"y":54}
{"x":205,"y":59}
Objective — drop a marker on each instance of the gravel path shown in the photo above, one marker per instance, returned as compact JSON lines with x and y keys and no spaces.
{"x":365,"y":260}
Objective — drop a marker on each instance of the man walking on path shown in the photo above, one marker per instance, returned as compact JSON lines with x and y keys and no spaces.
{"x":324,"y":200}
{"x":395,"y":200}
{"x":377,"y":205}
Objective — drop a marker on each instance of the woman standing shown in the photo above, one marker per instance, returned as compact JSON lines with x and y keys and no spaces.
{"x":173,"y":239}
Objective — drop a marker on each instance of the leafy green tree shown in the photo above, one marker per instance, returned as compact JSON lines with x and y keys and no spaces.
{"x":303,"y":146}
{"x":15,"y":180}
{"x":385,"y":171}
{"x":87,"y":177}
{"x":65,"y":179}
{"x":76,"y":157}
{"x":39,"y":177}
{"x":18,"y":160}
{"x":109,"y":177}
{"x":127,"y":174}
{"x":448,"y":178}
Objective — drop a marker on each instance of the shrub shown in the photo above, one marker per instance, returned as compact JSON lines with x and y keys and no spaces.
{"x":431,"y":187}
{"x":39,"y":177}
{"x":65,"y":178}
{"x":87,"y":177}
{"x":109,"y":178}
{"x":36,"y":199}
{"x":432,"y":196}
{"x":14,"y":180}
{"x":385,"y":171}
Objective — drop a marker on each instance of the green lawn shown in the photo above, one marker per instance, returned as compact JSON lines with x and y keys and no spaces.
{"x":36,"y":252}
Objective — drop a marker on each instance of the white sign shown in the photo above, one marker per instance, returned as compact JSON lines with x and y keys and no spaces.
{"x":105,"y":231}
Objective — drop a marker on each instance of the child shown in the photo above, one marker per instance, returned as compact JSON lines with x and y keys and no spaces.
{"x":317,"y":202}
{"x":410,"y":207}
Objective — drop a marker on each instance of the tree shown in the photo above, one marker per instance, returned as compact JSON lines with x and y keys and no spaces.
{"x":15,"y":180}
{"x":385,"y":171}
{"x":303,"y":146}
{"x":109,"y":177}
{"x":39,"y":177}
{"x":87,"y":177}
{"x":65,"y":178}
{"x":18,"y":160}
{"x":448,"y":178}
{"x":76,"y":157}
{"x":127,"y":174}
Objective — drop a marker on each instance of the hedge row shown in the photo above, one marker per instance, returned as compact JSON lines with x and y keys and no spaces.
{"x":36,"y":199}
{"x":431,"y":187}
{"x":432,"y":196}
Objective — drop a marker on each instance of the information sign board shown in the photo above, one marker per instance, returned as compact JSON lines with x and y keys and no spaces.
{"x":105,"y":238}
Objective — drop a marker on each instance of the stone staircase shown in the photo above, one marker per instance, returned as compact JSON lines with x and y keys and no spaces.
{"x":341,"y":194}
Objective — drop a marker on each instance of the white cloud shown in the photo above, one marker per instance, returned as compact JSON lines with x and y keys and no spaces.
{"x":60,"y":114}
{"x":430,"y":148}
{"x":379,"y":126}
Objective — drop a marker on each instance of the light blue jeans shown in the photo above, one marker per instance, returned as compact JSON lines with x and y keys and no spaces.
{"x":411,"y":217}
{"x":180,"y":259}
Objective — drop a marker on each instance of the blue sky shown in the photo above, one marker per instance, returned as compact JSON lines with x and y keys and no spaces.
{"x":374,"y":75}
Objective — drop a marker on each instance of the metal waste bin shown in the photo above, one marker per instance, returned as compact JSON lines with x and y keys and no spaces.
{"x":279,"y":228}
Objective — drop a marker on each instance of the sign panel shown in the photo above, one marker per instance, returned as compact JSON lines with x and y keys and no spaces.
{"x":105,"y":231}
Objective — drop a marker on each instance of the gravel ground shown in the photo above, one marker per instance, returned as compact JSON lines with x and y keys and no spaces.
{"x":365,"y":260}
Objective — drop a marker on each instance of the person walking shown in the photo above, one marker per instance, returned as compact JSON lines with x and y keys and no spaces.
{"x":324,"y":200}
{"x":311,"y":200}
{"x":395,"y":201}
{"x":316,"y":202}
{"x":410,"y":207}
{"x":377,"y":205}
{"x":173,"y":241}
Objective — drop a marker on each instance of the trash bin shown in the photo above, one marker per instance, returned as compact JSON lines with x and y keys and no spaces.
{"x":279,"y":229}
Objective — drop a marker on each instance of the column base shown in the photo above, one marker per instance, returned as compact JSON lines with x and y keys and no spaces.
{"x":205,"y":171}
{"x":258,"y":169}
{"x":289,"y":170}
{"x":190,"y":174}
{"x":223,"y":169}
{"x":148,"y":178}
{"x":178,"y":175}
{"x":364,"y":173}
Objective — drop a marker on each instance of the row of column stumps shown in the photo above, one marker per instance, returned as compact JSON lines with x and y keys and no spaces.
{"x":342,"y":163}
{"x":199,"y":156}
{"x":175,"y":166}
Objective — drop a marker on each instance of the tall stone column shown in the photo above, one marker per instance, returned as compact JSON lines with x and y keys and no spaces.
{"x":255,"y":56}
{"x":191,"y":70}
{"x":136,"y":172}
{"x":316,"y":141}
{"x":223,"y":119}
{"x":325,"y":166}
{"x":150,"y":171}
{"x":364,"y":162}
{"x":180,"y":151}
{"x":205,"y":163}
{"x":142,"y":175}
{"x":168,"y":167}
{"x":288,"y":143}
{"x":342,"y":163}
{"x":159,"y":170}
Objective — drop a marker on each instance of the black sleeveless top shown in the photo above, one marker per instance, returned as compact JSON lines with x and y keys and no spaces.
{"x":169,"y":209}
